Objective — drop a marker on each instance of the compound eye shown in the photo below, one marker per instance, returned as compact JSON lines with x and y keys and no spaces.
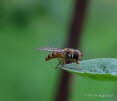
{"x":69,"y":56}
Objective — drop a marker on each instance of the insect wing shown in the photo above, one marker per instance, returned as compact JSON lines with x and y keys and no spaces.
{"x":50,"y":49}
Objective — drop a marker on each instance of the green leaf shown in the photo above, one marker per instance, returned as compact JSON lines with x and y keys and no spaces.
{"x":100,"y":68}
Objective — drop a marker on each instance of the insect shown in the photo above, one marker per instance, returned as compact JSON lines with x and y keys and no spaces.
{"x":67,"y":55}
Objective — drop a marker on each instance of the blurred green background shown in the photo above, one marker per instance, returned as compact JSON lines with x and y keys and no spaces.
{"x":29,"y":24}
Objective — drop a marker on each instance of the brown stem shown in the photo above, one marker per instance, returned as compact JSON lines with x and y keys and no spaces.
{"x":73,"y":42}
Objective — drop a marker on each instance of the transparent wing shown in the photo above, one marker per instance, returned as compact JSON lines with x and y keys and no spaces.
{"x":50,"y":49}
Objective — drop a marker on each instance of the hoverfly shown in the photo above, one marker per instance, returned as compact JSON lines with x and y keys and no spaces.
{"x":68,"y":55}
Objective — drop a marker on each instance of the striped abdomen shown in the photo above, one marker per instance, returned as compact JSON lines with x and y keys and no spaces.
{"x":53,"y":55}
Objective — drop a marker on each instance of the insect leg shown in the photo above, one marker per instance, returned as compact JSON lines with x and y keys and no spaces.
{"x":77,"y":62}
{"x":58,"y":63}
{"x":59,"y":59}
{"x":63,"y":62}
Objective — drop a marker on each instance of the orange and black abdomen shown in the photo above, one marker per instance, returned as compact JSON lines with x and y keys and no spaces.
{"x":53,"y":55}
